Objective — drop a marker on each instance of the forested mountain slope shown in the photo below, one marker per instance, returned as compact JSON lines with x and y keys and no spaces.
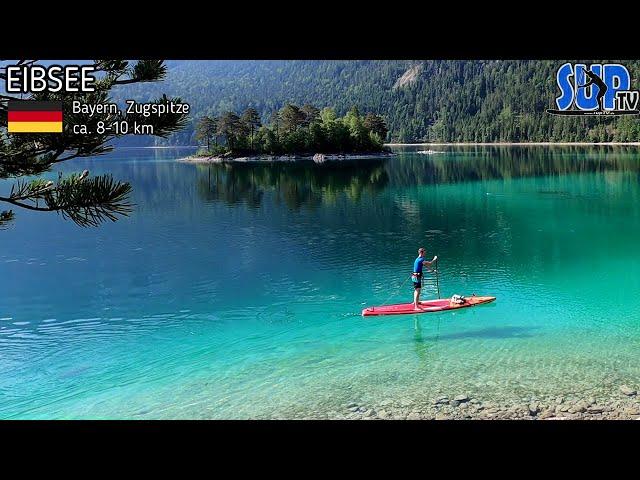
{"x":452,"y":101}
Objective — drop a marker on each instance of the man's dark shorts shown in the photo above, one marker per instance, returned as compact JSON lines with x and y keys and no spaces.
{"x":417,"y":285}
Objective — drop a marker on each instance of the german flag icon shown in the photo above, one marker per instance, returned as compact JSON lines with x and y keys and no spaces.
{"x":30,"y":116}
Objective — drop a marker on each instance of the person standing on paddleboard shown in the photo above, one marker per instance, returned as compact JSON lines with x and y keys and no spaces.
{"x":416,"y":276}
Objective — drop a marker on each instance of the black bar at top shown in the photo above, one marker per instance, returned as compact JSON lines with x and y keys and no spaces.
{"x":34,"y":106}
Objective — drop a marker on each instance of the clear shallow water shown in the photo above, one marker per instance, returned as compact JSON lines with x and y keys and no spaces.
{"x":235,"y":292}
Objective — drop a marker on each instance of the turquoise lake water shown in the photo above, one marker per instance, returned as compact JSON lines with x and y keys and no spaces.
{"x":235,"y":291}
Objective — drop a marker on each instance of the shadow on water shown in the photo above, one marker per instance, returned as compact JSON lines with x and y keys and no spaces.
{"x":425,"y":345}
{"x":497,"y":333}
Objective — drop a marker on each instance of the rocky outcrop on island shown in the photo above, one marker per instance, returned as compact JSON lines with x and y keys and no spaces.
{"x":317,"y":158}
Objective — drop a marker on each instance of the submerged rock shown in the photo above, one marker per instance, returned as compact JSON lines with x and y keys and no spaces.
{"x":526,"y":408}
{"x":628,"y":391}
{"x":577,"y":409}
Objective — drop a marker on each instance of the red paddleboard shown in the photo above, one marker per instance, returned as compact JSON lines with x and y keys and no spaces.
{"x":427,"y":306}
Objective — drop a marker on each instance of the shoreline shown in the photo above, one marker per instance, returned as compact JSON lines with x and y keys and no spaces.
{"x":317,"y":158}
{"x":621,"y":404}
{"x":515,"y":144}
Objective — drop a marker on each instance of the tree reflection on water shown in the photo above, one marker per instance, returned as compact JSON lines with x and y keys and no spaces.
{"x":308,"y":184}
{"x":294,"y":184}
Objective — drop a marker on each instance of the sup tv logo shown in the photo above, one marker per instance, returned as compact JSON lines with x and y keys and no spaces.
{"x":597,"y":90}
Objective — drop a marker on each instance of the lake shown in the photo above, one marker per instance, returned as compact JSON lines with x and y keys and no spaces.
{"x":235,"y":291}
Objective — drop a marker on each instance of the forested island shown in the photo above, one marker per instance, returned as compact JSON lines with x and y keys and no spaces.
{"x":293,"y":131}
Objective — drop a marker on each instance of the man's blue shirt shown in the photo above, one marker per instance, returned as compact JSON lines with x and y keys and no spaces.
{"x":417,"y":265}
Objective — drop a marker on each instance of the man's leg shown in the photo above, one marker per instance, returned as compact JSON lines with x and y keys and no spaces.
{"x":416,"y":299}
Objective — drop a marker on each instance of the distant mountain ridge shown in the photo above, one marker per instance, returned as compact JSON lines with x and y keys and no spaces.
{"x":448,"y":101}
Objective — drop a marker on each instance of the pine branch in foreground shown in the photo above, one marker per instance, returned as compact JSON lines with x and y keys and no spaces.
{"x":87,"y":202}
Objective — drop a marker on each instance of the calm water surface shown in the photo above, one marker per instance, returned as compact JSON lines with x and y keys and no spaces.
{"x":235,"y":291}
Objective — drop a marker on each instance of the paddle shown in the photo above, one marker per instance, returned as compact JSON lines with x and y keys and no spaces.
{"x":437,"y":281}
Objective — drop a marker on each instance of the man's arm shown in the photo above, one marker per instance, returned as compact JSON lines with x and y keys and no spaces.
{"x":428,"y":263}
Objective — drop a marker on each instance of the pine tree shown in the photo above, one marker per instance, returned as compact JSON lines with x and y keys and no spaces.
{"x":311,"y":114}
{"x":205,"y":130}
{"x":376,"y":124}
{"x":291,"y":118}
{"x":230,"y":127}
{"x":251,"y":119}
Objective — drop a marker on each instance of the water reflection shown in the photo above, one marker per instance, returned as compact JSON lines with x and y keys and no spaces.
{"x":498,"y":163}
{"x":294,"y":184}
{"x":310,"y":184}
{"x":424,"y":346}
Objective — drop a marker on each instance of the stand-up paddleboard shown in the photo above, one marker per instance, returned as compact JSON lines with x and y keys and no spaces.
{"x":427,"y":306}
